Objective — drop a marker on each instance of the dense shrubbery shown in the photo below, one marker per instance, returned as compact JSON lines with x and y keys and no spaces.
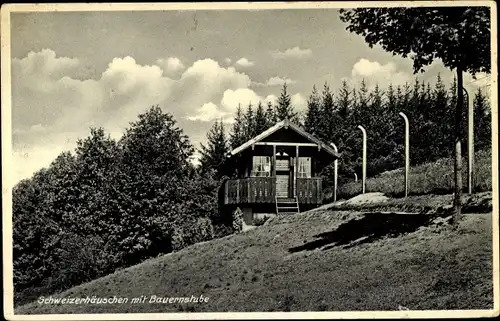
{"x":111,"y":205}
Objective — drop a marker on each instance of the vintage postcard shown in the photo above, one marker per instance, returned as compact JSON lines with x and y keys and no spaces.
{"x":275,"y":160}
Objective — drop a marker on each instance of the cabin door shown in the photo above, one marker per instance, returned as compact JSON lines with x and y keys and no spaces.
{"x":283,"y":177}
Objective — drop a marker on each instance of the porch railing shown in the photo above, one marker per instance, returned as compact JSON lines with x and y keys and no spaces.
{"x":263,"y":190}
{"x":309,"y":190}
{"x":250,"y":190}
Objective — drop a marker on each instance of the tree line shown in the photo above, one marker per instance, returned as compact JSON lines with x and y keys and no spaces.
{"x":334,"y":117}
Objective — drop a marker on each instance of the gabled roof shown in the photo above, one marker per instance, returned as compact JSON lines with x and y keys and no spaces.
{"x":284,"y":124}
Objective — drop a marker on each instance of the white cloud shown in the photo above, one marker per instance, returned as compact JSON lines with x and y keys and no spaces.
{"x":170,"y":65}
{"x":227,"y":61}
{"x":49,"y":103}
{"x":275,"y":81}
{"x":244,"y":62}
{"x":298,"y":101}
{"x":294,"y":52}
{"x":209,"y":112}
{"x":210,"y":70}
{"x":242,"y":96}
{"x":375,"y":73}
{"x":45,"y":64}
{"x":52,"y":109}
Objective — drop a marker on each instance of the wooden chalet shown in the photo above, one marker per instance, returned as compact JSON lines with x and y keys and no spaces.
{"x":278,"y":171}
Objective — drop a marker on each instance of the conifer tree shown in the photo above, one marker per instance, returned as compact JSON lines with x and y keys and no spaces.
{"x":261,"y":123}
{"x":311,"y":122}
{"x":361,"y":109}
{"x":440,"y":113}
{"x":396,"y":132}
{"x":237,"y":136}
{"x":270,"y":114}
{"x":284,"y":108}
{"x":344,"y":101}
{"x":249,"y":123}
{"x":344,"y":104}
{"x":213,"y":154}
{"x":482,"y":121}
{"x":327,"y":118}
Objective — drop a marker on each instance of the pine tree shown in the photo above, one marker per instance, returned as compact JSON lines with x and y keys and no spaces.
{"x":375,"y":109}
{"x":344,"y":101}
{"x":381,"y":125}
{"x":361,"y":111}
{"x":396,"y":131}
{"x":482,"y":121}
{"x":261,"y":122}
{"x":213,"y":155}
{"x":270,"y":114}
{"x":249,"y":123}
{"x":441,"y":116}
{"x":326,"y":122}
{"x":237,"y":136}
{"x":284,"y":109}
{"x":313,"y":112}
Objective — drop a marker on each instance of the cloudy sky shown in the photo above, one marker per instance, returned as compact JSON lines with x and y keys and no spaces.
{"x":73,"y":70}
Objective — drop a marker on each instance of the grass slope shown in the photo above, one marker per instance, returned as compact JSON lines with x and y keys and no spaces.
{"x":434,"y":177}
{"x":322,"y":260}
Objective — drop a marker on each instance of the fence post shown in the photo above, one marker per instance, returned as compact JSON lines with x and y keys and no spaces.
{"x":364,"y":157}
{"x":407,"y":153}
{"x":335,"y":172}
{"x":470,"y":142}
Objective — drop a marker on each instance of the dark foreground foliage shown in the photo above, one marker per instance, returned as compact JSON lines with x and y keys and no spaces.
{"x":110,"y":205}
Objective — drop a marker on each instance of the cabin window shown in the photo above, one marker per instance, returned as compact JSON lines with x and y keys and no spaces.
{"x":261,"y":166}
{"x":304,"y":167}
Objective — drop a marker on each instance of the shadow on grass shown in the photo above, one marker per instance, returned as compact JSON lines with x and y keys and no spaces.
{"x":370,"y":227}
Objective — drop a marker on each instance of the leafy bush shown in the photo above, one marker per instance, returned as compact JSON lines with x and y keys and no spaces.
{"x":260,"y":220}
{"x":238,"y":220}
{"x":221,"y":230}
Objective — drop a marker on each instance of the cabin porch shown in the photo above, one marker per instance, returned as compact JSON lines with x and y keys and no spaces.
{"x":254,"y":190}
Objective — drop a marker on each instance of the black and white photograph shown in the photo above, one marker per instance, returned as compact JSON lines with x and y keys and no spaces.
{"x":272,"y":160}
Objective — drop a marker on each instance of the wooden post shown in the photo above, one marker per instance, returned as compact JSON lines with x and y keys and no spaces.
{"x":457,"y":200}
{"x":250,"y":191}
{"x":274,"y":161}
{"x":296,"y":170}
{"x":364,"y":157}
{"x":238,"y":191}
{"x":335,"y":173}
{"x":470,"y":141}
{"x":407,"y":153}
{"x":226,"y":192}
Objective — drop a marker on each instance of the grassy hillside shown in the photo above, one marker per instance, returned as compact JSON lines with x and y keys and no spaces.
{"x":313,"y":261}
{"x":435,"y":177}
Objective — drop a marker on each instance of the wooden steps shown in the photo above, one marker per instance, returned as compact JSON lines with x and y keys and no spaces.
{"x":287,"y":205}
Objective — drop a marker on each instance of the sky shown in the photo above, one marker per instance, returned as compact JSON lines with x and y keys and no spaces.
{"x":76,"y":70}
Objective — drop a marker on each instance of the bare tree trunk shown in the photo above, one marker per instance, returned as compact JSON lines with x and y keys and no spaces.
{"x":457,"y":202}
